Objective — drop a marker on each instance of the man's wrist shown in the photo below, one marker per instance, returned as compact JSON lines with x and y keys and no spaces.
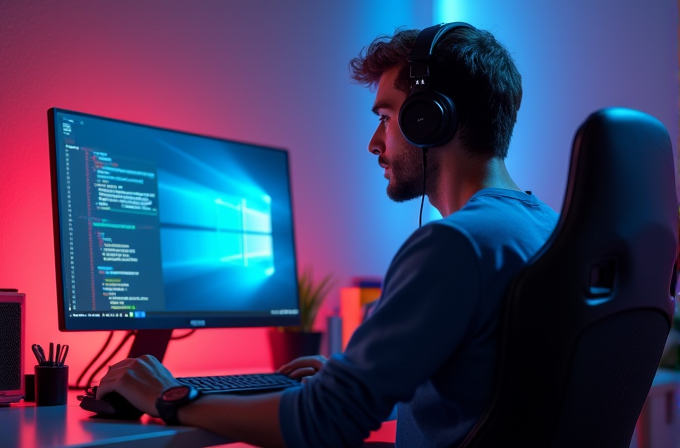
{"x":172,"y":399}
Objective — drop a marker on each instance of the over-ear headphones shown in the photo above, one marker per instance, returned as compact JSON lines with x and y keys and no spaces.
{"x":428,"y":118}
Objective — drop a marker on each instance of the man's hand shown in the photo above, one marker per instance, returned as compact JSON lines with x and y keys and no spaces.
{"x":140,"y":380}
{"x":301,"y":368}
{"x":252,"y":419}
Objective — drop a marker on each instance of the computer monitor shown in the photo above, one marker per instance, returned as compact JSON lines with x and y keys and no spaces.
{"x":157,"y":229}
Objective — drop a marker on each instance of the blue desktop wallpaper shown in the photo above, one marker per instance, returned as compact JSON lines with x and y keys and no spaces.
{"x":226,"y":226}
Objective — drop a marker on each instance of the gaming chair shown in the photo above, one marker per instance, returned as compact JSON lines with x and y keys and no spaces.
{"x":584,"y":324}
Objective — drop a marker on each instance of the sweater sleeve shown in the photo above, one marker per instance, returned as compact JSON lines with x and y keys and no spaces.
{"x":428,"y":302}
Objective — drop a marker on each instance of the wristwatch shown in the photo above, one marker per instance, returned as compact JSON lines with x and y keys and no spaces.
{"x":172,"y":399}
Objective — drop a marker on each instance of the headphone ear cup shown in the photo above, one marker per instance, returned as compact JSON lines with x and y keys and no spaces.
{"x":427,"y":118}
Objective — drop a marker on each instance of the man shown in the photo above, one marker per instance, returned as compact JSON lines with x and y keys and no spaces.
{"x":430,"y":343}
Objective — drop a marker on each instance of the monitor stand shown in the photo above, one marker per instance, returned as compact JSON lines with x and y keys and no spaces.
{"x":150,"y":342}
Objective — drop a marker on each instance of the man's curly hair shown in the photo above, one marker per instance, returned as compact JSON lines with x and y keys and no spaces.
{"x":468,"y":65}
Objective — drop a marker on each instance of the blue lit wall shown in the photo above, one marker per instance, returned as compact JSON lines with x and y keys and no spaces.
{"x":576,"y":57}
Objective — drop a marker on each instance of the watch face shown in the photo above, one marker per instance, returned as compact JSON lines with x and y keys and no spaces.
{"x":175,"y":393}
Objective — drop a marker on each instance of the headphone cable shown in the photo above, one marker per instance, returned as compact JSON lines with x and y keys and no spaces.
{"x":422,"y":199}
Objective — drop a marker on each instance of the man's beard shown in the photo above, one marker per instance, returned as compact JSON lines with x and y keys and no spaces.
{"x":407,"y":175}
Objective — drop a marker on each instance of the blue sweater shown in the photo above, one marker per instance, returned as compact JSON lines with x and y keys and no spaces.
{"x":430,"y":343}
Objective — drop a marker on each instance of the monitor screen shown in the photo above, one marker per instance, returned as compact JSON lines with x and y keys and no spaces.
{"x":160,"y":229}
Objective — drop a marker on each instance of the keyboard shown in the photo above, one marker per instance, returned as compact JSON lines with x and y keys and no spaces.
{"x":249,"y":383}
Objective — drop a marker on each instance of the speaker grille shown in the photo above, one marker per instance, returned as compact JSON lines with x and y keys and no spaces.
{"x":10,"y":346}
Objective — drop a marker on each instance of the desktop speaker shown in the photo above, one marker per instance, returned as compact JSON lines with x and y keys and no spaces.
{"x":12,"y":319}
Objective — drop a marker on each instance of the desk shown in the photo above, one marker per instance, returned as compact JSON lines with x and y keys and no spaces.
{"x":24,"y":425}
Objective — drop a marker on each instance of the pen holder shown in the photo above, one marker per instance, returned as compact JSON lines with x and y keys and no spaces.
{"x":51,"y":385}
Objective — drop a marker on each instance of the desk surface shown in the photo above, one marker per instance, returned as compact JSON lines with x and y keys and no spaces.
{"x":24,"y":425}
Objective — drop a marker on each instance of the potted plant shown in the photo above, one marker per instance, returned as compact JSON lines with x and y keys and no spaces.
{"x":288,"y":343}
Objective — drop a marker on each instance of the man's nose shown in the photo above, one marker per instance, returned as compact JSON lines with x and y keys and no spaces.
{"x":377,"y":144}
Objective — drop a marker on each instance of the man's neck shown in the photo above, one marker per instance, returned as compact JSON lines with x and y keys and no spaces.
{"x":461,"y":176}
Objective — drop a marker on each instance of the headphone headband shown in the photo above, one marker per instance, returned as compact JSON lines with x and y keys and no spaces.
{"x":428,"y":38}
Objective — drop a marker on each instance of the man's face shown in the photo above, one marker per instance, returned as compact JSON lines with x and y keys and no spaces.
{"x":403,"y":162}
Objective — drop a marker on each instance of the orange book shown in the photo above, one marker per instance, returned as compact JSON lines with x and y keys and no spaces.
{"x":352,"y":302}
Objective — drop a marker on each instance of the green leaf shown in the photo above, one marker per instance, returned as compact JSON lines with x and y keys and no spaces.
{"x":311,"y":296}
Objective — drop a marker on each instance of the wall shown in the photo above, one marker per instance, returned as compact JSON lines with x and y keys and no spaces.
{"x":577,"y":57}
{"x":275,"y":73}
{"x":267,"y":72}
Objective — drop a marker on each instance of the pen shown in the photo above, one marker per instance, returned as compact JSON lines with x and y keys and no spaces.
{"x":37,"y":354}
{"x":57,"y":358}
{"x":42,"y":353}
{"x":63,"y":356}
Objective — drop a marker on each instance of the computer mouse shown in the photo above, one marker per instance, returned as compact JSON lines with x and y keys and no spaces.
{"x":112,"y":405}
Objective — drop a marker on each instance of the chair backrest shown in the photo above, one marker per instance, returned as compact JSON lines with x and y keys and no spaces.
{"x":585,"y":322}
